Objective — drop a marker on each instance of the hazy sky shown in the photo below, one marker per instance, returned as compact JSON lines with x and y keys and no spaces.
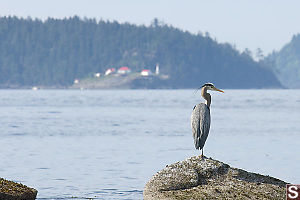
{"x":267,"y":24}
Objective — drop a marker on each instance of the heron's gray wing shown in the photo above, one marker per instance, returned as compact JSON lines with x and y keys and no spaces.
{"x":200,"y":122}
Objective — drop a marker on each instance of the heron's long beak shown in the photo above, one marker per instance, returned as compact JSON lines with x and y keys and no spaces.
{"x":216,"y":89}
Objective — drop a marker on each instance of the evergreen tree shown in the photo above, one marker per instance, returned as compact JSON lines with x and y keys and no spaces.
{"x":54,"y":52}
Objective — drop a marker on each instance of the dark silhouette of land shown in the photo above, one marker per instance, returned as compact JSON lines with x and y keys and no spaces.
{"x":55,"y":52}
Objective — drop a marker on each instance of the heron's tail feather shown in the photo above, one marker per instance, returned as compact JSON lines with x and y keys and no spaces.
{"x":197,"y":143}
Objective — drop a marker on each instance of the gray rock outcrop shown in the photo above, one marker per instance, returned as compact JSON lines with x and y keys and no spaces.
{"x":197,"y":178}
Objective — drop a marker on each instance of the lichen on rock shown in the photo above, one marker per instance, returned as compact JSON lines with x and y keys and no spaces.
{"x":206,"y":178}
{"x":10,"y":190}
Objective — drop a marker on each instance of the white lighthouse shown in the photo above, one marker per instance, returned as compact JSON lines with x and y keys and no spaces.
{"x":157,"y":69}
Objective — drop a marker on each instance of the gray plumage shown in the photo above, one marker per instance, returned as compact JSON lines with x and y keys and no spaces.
{"x":200,"y":122}
{"x":200,"y":119}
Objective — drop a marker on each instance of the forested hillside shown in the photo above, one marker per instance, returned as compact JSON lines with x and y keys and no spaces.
{"x":286,"y":63}
{"x":56,"y":51}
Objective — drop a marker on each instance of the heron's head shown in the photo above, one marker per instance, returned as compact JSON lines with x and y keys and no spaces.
{"x":210,"y":86}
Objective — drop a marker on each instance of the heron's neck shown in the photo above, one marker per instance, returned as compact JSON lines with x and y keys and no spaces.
{"x":206,"y":96}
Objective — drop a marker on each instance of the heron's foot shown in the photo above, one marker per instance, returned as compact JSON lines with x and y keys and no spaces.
{"x":202,"y":157}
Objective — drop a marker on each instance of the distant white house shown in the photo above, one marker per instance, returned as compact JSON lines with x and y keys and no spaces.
{"x":124,"y":70}
{"x":97,"y":75}
{"x":76,"y":81}
{"x":110,"y":71}
{"x":146,"y":72}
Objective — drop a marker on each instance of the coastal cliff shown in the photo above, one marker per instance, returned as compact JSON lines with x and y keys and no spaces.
{"x":10,"y":190}
{"x":197,"y":178}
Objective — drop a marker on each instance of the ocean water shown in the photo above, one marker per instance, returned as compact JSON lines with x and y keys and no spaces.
{"x":106,"y":144}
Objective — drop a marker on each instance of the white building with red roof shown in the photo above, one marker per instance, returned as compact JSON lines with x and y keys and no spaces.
{"x":146,"y":72}
{"x":110,"y":71}
{"x":124,"y":70}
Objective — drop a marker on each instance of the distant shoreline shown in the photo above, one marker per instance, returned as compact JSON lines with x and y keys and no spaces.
{"x":162,"y":88}
{"x":128,"y":82}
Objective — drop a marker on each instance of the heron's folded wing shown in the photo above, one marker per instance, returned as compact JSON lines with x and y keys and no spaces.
{"x":195,"y":124}
{"x":200,"y":122}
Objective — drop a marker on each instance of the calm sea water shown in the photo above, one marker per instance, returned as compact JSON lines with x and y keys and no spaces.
{"x":106,"y":144}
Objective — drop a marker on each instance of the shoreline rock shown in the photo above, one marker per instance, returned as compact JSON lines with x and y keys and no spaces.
{"x":10,"y":190}
{"x":197,"y":178}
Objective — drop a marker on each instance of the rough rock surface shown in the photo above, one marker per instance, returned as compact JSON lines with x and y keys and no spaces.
{"x":10,"y":190}
{"x":197,"y":178}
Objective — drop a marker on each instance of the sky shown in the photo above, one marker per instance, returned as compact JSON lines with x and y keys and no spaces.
{"x":252,"y":24}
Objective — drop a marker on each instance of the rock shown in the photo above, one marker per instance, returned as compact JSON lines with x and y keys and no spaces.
{"x":197,"y":178}
{"x":10,"y":190}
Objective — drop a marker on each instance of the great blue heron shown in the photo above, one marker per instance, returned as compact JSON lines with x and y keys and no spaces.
{"x":200,"y":119}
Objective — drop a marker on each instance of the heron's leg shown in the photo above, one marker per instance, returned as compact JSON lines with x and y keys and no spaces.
{"x":202,"y":156}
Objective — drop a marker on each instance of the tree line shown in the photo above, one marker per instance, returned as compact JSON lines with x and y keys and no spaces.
{"x":54,"y":52}
{"x":286,"y":63}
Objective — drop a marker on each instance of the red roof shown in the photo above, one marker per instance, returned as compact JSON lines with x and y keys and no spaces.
{"x":145,"y":70}
{"x":124,"y":68}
